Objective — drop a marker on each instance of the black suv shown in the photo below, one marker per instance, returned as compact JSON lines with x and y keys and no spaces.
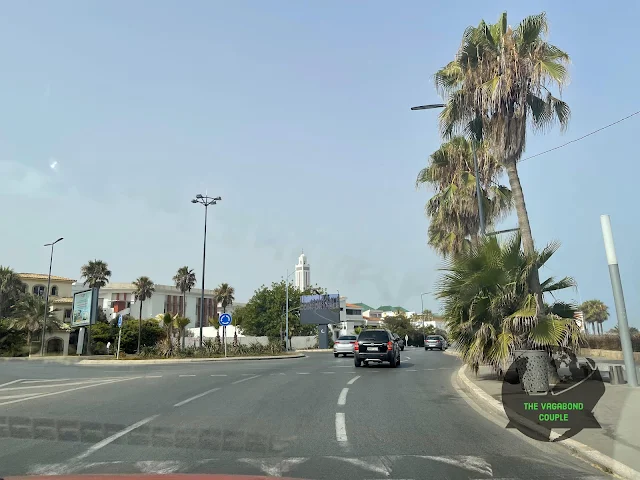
{"x":377,"y":346}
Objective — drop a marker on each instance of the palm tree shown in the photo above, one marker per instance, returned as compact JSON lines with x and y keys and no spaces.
{"x":181,"y":323}
{"x":595,"y":313}
{"x":185,"y":280}
{"x":12,"y":288}
{"x":143,"y":290}
{"x":489,"y":304}
{"x":96,"y":274}
{"x":453,"y":210}
{"x":29,"y":315}
{"x":224,"y":295}
{"x":498,"y":83}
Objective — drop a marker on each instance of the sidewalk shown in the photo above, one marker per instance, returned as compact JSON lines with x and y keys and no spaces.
{"x":618,"y":412}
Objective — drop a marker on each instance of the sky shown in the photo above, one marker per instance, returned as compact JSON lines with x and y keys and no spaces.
{"x":115,"y":114}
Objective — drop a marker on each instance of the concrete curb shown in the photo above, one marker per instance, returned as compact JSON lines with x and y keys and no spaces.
{"x":579,"y":449}
{"x":453,"y":353}
{"x":183,"y":360}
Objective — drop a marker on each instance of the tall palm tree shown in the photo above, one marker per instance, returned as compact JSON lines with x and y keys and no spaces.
{"x":224,"y":295}
{"x":29,"y":316}
{"x":185,"y":280}
{"x":595,"y":313}
{"x":498,"y":84}
{"x":181,"y":323}
{"x":96,"y":274}
{"x":487,"y":299}
{"x":453,"y":210}
{"x":12,"y":288}
{"x":143,"y":290}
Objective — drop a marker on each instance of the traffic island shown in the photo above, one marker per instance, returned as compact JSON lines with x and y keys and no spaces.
{"x":608,"y":438}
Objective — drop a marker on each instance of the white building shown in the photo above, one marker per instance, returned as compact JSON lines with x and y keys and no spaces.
{"x":119,"y":298}
{"x":303,"y":273}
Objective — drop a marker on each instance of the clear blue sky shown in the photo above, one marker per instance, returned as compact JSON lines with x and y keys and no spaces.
{"x":297,"y":114}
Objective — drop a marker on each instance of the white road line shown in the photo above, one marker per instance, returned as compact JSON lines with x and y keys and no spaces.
{"x":69,"y":390}
{"x":112,"y":438}
{"x":408,"y":358}
{"x":244,"y":379}
{"x":42,"y":381}
{"x":281,"y":373}
{"x":303,"y":373}
{"x":341,"y":427}
{"x":353,"y":380}
{"x":411,"y":370}
{"x":326,"y":373}
{"x":12,"y":382}
{"x":55,"y":385}
{"x":218,"y":375}
{"x":184,"y":402}
{"x":342,"y":399}
{"x":22,"y":395}
{"x":429,"y":369}
{"x":186,"y":375}
{"x":149,"y":376}
{"x":343,"y":366}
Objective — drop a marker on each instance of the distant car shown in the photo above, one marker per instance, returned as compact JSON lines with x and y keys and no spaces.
{"x":400,"y":341}
{"x":435,"y":341}
{"x":377,"y":345}
{"x":344,"y":345}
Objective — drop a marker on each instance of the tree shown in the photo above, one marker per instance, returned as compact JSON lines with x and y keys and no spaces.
{"x":143,"y":290}
{"x":489,"y":304}
{"x":632,"y":330}
{"x":29,"y":316}
{"x":12,"y":288}
{"x":453,"y":209}
{"x":96,"y":274}
{"x":224,"y":295}
{"x":184,"y":280}
{"x":181,"y":324}
{"x":264,"y":313}
{"x":497,"y":86}
{"x":595,"y":313}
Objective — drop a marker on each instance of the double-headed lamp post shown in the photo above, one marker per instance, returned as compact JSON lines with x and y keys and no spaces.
{"x":422,"y":314}
{"x":206,"y":201}
{"x":46,"y":301}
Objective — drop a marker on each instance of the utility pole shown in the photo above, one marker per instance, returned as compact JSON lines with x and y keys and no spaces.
{"x":46,"y":301}
{"x":618,"y":297}
{"x":206,"y":201}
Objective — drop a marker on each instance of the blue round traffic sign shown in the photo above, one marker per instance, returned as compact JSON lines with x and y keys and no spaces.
{"x":225,"y":319}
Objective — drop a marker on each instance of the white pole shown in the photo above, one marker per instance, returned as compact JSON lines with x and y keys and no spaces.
{"x":224,"y":337}
{"x":618,"y":297}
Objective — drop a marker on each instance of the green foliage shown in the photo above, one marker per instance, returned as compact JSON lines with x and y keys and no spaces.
{"x":151,"y":334}
{"x":212,"y":348}
{"x":595,"y":313}
{"x":224,"y":295}
{"x":96,"y":273}
{"x":13,"y":342}
{"x":264,"y":314}
{"x":490,"y":309}
{"x":11,"y":290}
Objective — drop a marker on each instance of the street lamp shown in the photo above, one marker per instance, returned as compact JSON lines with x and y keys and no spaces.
{"x":424,"y":336}
{"x":206,"y":201}
{"x":286,"y":325}
{"x":46,"y":301}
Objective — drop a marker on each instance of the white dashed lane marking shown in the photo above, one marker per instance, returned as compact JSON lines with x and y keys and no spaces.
{"x":245,"y":379}
{"x":186,"y":375}
{"x":342,"y":399}
{"x":341,"y":427}
{"x":184,"y":402}
{"x":352,"y":381}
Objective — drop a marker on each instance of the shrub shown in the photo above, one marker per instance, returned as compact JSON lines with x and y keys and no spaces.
{"x":611,"y":342}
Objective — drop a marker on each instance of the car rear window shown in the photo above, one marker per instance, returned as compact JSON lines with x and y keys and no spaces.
{"x":374,"y":336}
{"x":433,"y":337}
{"x":347,"y":337}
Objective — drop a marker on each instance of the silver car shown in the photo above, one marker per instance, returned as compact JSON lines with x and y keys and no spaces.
{"x":344,"y":345}
{"x":435,"y":341}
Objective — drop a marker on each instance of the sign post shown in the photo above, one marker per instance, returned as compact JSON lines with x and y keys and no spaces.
{"x":119,"y":335}
{"x":224,"y":320}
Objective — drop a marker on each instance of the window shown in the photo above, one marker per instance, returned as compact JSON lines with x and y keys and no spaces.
{"x":39,"y":290}
{"x":67,"y":314}
{"x":54,"y":290}
{"x":347,"y":337}
{"x":374,"y":336}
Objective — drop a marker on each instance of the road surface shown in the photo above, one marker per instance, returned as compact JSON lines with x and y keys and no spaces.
{"x":317,"y":417}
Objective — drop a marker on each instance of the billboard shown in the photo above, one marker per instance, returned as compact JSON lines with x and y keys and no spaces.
{"x":320,"y":309}
{"x":81,"y":311}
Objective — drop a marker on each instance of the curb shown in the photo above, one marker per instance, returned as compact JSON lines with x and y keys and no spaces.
{"x":453,"y":353}
{"x":579,"y":449}
{"x":182,"y":360}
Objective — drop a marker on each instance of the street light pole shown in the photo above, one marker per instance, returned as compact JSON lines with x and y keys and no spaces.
{"x":46,"y":301}
{"x":206,"y":201}
{"x":286,"y":325}
{"x":424,"y":336}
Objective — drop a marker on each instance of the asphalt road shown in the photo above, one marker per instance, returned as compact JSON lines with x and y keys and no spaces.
{"x":317,"y":418}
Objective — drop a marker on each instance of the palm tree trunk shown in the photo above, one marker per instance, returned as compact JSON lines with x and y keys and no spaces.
{"x":139,"y":327}
{"x":525,"y":226}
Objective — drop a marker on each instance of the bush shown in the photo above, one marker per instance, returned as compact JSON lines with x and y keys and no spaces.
{"x":611,"y":342}
{"x":211,"y":348}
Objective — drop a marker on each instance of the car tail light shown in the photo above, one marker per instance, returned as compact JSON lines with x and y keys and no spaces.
{"x":355,"y":347}
{"x":337,"y":342}
{"x":352,"y":343}
{"x":389,"y":345}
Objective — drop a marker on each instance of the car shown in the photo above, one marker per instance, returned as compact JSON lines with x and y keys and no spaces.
{"x":344,"y":345}
{"x":376,"y":345}
{"x":400,"y":341}
{"x":435,"y":341}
